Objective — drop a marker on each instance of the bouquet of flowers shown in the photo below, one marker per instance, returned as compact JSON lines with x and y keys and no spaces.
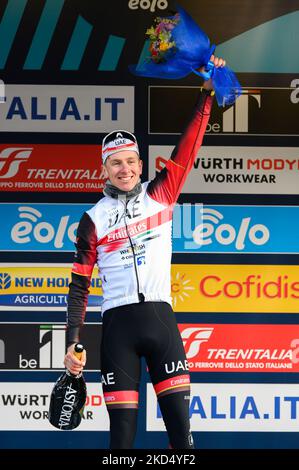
{"x":178,"y":47}
{"x":161,"y":44}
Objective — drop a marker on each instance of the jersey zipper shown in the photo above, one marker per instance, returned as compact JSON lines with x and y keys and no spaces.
{"x":140,"y":294}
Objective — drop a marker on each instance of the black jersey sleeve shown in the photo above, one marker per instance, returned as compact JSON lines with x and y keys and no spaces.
{"x":84,"y":261}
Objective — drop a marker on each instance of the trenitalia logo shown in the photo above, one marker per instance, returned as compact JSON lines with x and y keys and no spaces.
{"x":193,"y":336}
{"x":11,"y":159}
{"x":241,"y":348}
{"x":42,"y":167}
{"x":236,"y":288}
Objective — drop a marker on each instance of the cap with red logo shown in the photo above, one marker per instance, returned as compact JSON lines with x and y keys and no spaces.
{"x":118,"y":141}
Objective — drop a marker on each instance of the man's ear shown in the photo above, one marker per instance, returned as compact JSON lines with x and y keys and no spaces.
{"x":141,"y":166}
{"x":104,"y":172}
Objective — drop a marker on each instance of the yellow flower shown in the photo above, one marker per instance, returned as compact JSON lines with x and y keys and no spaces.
{"x":150,"y":31}
{"x":164,"y":46}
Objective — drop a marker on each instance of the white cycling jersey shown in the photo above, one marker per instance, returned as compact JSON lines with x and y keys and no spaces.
{"x":133,"y":249}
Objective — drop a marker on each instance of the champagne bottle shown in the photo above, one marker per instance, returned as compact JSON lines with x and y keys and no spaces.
{"x":68,"y":398}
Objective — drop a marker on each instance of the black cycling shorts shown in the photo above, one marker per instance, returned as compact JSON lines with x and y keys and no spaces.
{"x":149,"y":330}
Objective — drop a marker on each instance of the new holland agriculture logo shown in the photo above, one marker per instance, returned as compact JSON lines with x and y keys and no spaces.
{"x":39,"y":286}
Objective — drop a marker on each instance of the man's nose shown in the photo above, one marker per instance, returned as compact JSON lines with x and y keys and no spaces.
{"x":125,"y":166}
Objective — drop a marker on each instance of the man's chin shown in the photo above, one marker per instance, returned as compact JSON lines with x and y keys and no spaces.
{"x":126,"y":186}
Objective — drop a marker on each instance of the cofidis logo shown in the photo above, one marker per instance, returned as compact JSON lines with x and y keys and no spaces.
{"x":40,"y":286}
{"x":235,"y":288}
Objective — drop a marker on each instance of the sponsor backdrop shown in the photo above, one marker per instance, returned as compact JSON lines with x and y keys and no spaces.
{"x":64,"y":83}
{"x":197,"y":228}
{"x":50,"y":168}
{"x":47,"y":288}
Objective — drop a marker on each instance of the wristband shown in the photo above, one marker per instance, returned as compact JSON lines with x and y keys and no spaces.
{"x":208,"y":92}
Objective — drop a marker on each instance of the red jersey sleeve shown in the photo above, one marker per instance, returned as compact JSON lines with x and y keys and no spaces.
{"x":167,"y":185}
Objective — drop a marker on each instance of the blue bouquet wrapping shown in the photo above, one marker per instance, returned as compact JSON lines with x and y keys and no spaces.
{"x":178,"y":47}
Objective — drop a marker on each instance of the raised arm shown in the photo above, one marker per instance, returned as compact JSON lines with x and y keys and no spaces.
{"x":167,"y":186}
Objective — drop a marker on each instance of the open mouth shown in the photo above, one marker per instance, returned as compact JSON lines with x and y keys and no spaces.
{"x":125,"y":179}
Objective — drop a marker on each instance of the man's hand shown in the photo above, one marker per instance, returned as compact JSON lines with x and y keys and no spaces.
{"x":218,"y":62}
{"x":72,"y":363}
